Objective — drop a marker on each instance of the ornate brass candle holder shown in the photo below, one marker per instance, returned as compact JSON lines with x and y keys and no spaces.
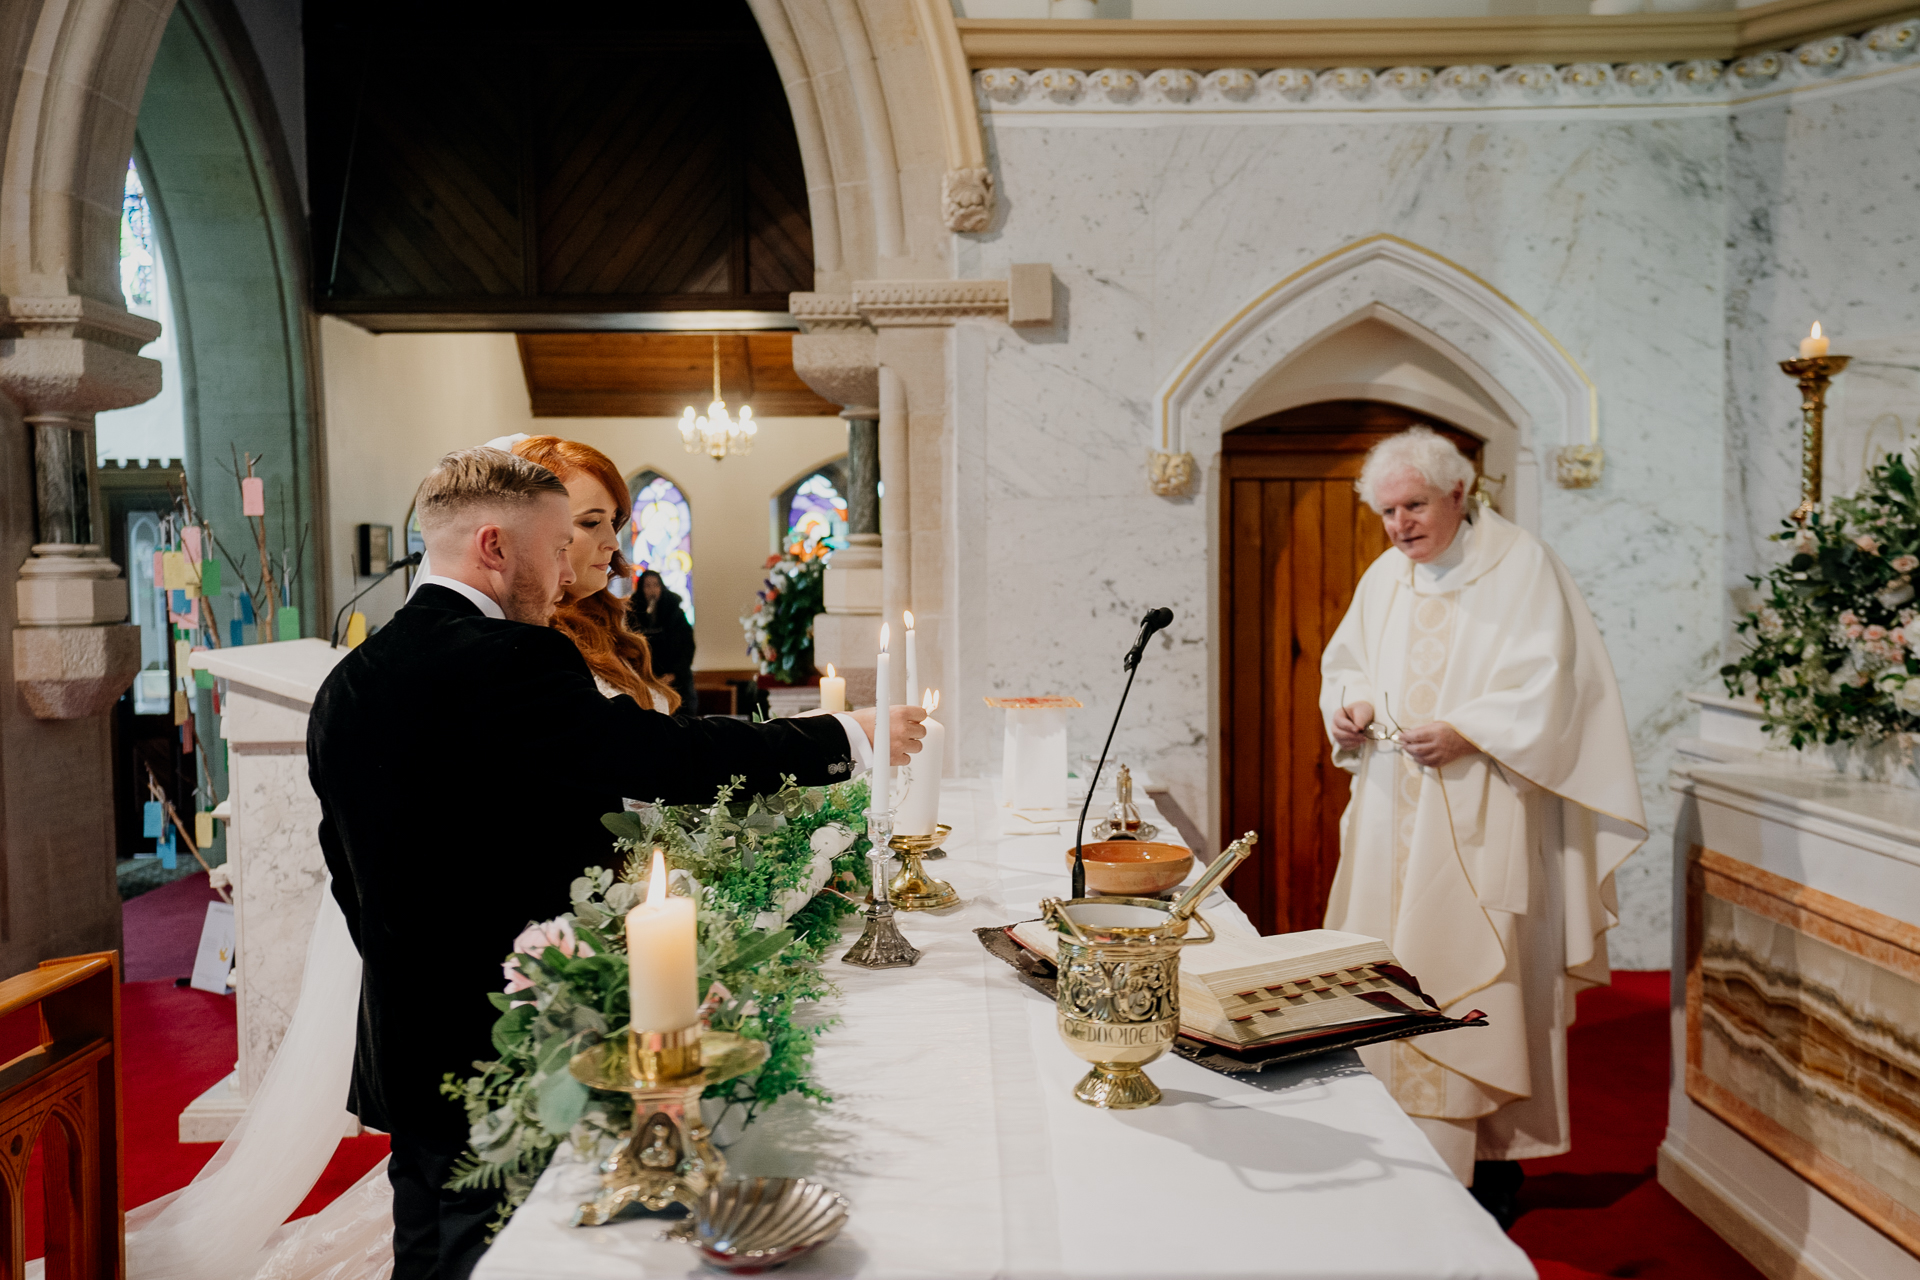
{"x":1814,"y":374}
{"x":911,"y":888}
{"x":880,"y":945}
{"x":668,"y":1157}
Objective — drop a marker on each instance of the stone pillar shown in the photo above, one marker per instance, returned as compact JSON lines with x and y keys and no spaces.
{"x":834,"y":355}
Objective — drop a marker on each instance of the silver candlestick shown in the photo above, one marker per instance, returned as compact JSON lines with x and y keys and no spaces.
{"x":880,"y":945}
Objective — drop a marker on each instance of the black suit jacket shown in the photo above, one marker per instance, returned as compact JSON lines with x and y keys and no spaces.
{"x":462,"y":765}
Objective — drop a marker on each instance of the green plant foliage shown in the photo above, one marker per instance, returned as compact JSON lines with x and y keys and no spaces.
{"x":752,"y":867}
{"x":1833,"y":648}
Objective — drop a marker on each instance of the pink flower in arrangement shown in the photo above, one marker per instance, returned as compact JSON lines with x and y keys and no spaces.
{"x":534,"y":941}
{"x":1906,"y":564}
{"x":1897,"y":638}
{"x":1868,"y":543}
{"x":1848,"y":618}
{"x":1876,"y":633}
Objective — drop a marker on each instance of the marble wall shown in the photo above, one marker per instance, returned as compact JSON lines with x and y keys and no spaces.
{"x":1608,"y":227}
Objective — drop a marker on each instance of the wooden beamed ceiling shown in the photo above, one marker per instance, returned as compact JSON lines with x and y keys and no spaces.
{"x":657,"y":375}
{"x":552,"y":166}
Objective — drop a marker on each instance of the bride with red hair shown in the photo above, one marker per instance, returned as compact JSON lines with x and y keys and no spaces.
{"x":590,"y":615}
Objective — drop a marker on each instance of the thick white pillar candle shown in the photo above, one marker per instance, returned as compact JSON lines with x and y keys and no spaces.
{"x":882,"y":749}
{"x":1814,"y":344}
{"x":662,"y":957}
{"x":913,"y":662}
{"x":919,"y":810}
{"x":833,"y":691}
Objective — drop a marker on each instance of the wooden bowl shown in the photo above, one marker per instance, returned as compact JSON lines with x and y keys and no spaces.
{"x":1134,"y":868}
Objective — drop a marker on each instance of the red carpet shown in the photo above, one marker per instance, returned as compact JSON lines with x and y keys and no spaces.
{"x":1597,"y":1210}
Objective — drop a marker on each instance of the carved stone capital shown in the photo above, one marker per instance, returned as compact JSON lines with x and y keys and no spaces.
{"x":839,"y":364}
{"x":74,"y":355}
{"x":1170,"y":475}
{"x":966,"y":199}
{"x":69,"y":585}
{"x":72,"y":673}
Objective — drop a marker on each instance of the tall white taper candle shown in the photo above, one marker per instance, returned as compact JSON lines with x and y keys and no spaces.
{"x":913,"y":661}
{"x":662,"y":957}
{"x":919,"y":810}
{"x":882,"y":749}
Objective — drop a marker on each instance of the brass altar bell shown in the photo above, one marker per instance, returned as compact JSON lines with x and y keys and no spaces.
{"x":1119,"y":981}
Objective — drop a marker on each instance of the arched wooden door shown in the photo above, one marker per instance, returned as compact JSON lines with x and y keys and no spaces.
{"x":1295,"y":539}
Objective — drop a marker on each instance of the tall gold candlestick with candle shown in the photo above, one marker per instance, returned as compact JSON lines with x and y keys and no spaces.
{"x":1814,"y":371}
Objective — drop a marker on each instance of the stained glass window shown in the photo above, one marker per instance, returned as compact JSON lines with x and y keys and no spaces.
{"x":661,"y":535}
{"x":816,"y":512}
{"x":136,"y":244}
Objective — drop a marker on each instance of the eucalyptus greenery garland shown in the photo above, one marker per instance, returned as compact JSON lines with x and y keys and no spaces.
{"x":751,"y":863}
{"x":1835,"y":650}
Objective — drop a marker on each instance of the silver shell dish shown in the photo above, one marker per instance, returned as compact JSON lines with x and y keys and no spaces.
{"x":749,"y":1225}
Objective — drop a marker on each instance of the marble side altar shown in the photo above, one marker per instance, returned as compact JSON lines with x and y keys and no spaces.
{"x":1795,"y":1095}
{"x":273,"y":855}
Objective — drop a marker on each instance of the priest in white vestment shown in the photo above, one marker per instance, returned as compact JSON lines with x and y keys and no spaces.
{"x":1494,"y":795}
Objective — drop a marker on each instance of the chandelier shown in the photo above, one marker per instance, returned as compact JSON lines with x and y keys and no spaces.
{"x":717,"y":434}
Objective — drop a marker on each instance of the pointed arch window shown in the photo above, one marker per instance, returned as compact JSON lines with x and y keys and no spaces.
{"x":661,"y":534}
{"x":813,"y":509}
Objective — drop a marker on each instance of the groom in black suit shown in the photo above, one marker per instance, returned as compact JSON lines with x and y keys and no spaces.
{"x":463,"y":757}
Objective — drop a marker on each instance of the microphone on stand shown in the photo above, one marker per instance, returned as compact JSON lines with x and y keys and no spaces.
{"x":404,"y":562}
{"x":1156,"y":620}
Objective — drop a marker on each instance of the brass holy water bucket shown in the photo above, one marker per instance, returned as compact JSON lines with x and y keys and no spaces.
{"x":1118,"y":961}
{"x":1119,"y":1001}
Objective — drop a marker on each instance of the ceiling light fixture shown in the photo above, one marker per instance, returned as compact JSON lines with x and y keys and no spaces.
{"x":718,"y":434}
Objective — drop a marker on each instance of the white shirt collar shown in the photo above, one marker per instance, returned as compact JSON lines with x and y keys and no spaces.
{"x":481,"y":600}
{"x":1437,"y":571}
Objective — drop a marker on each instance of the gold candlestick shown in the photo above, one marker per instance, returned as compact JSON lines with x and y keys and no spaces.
{"x":1814,"y":374}
{"x":669,"y":1156}
{"x":912,"y":888}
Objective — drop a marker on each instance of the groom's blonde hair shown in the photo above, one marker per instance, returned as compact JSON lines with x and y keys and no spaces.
{"x":470,"y":479}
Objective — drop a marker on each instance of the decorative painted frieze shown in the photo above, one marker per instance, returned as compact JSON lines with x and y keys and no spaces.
{"x":1702,"y":81}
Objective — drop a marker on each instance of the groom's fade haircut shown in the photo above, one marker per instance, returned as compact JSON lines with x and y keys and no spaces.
{"x":469,"y":479}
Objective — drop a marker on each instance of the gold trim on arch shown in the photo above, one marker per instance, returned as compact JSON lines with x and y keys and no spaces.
{"x":1213,"y":339}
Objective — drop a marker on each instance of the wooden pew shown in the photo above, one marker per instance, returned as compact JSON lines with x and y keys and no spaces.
{"x":66,"y":1094}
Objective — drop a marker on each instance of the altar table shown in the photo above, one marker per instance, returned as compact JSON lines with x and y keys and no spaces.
{"x":955,"y":1138}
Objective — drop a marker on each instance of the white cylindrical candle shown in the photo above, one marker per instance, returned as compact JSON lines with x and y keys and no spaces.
{"x":913,"y":661}
{"x":882,"y":749}
{"x":919,"y":810}
{"x":1814,"y":344}
{"x":833,"y":691}
{"x":663,"y":976}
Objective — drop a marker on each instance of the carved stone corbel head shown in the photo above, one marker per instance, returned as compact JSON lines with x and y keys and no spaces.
{"x":966,"y":199}
{"x":1170,"y":475}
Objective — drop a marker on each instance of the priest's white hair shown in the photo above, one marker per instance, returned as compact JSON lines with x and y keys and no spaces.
{"x":1419,"y":449}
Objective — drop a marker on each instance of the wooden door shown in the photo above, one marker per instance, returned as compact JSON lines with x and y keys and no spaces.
{"x":1295,"y":539}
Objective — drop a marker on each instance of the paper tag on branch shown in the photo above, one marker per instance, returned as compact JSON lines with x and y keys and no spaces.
{"x":253,"y":496}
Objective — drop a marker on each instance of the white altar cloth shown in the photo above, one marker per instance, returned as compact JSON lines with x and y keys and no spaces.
{"x":954,"y":1136}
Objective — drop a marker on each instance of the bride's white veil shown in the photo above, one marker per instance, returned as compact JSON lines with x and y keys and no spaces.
{"x":227,"y":1223}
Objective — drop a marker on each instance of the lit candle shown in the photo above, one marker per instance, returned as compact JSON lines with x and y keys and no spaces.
{"x":882,"y":751}
{"x":662,"y":967}
{"x":913,"y":658}
{"x":1814,"y":344}
{"x":920,"y":807}
{"x":833,"y":691}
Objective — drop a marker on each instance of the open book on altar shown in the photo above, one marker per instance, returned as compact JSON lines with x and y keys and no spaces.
{"x":1247,"y":992}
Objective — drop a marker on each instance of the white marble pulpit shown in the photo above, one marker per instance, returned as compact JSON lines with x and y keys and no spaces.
{"x":273,"y":854}
{"x":1796,"y":1001}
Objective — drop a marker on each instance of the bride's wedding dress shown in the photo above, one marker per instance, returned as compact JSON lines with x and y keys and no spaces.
{"x":230,"y":1222}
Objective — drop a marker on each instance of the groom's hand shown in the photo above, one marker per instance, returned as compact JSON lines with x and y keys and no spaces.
{"x":904,"y":730}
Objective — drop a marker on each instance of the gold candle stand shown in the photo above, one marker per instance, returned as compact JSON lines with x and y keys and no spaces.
{"x":1814,"y":374}
{"x":911,"y":888}
{"x":669,"y":1157}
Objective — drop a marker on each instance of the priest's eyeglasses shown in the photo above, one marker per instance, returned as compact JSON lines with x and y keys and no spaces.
{"x":1376,"y":731}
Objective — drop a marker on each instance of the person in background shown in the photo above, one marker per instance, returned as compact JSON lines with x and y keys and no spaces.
{"x":658,"y":614}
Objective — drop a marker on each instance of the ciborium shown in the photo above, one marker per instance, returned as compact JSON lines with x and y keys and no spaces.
{"x":669,"y":1158}
{"x":912,"y":888}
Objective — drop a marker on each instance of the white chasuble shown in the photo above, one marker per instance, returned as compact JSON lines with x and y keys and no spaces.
{"x":1491,"y":878}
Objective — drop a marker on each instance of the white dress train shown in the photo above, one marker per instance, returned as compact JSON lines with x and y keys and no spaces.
{"x":230,"y":1222}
